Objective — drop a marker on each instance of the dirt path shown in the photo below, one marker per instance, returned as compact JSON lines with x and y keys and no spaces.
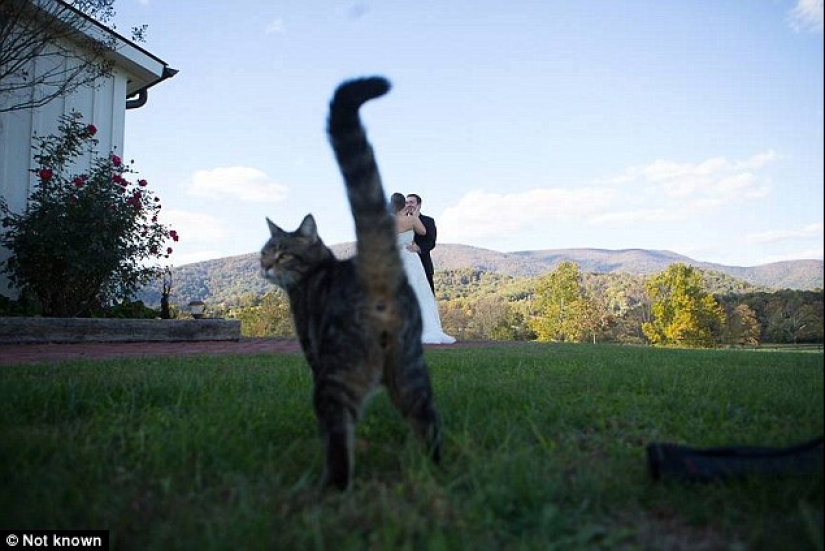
{"x":13,"y":354}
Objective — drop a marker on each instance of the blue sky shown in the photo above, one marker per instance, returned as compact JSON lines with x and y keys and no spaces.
{"x":695,"y":127}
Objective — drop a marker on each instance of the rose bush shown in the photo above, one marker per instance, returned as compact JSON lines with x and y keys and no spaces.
{"x":88,"y":239}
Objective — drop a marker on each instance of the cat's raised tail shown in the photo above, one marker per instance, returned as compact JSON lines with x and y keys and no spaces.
{"x":352,"y":94}
{"x":377,"y":260}
{"x":352,"y":149}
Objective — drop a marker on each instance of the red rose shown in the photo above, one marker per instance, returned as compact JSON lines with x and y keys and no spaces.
{"x":143,"y":183}
{"x":174,"y":235}
{"x":168,"y":250}
{"x":78,"y":181}
{"x":116,"y":160}
{"x":91,"y":129}
{"x":45,"y":174}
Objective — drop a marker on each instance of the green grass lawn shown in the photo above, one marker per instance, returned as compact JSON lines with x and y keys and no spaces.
{"x":544,"y":449}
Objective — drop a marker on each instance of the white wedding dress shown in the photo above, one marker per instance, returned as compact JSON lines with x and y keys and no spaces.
{"x":432,"y":332}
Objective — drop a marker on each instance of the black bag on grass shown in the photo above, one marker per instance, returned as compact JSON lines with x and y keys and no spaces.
{"x":687,"y":464}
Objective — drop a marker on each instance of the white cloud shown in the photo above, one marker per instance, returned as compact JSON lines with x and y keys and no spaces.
{"x":622,"y":218}
{"x":662,"y":192}
{"x":194,"y":227}
{"x":801,"y":254}
{"x":238,"y":183}
{"x":758,"y":161}
{"x":699,"y":187}
{"x":481,"y":213}
{"x":811,"y":231}
{"x":806,"y":16}
{"x":196,"y":230}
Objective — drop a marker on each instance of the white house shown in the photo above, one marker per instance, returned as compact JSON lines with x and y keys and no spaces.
{"x":135,"y":71}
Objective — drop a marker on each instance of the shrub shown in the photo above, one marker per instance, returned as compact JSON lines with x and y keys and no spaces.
{"x":87,"y":240}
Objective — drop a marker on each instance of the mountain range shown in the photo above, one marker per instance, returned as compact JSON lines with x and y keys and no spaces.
{"x":223,"y":279}
{"x":792,"y":274}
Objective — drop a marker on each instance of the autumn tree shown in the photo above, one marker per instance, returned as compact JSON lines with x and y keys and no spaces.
{"x":684,"y":314}
{"x":560,"y":307}
{"x":514,"y":326}
{"x":270,"y":318}
{"x":634,"y":311}
{"x":38,"y":62}
{"x":791,"y":319}
{"x":597,"y":318}
{"x":741,"y":325}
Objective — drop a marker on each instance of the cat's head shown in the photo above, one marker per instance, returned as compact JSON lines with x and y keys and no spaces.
{"x":288,"y":256}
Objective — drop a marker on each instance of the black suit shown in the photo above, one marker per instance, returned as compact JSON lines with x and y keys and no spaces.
{"x":427,"y":243}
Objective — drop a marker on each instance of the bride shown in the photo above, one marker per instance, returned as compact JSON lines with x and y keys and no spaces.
{"x":407,"y":225}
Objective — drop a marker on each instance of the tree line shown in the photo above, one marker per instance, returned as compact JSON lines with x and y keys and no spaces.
{"x":680,"y":306}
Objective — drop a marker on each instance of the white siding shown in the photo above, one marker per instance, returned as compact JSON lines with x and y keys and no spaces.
{"x":104,"y":106}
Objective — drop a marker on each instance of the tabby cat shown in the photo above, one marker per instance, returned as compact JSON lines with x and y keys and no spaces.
{"x":357,"y":320}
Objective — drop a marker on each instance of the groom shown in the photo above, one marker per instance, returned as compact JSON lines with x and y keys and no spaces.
{"x":423,"y":244}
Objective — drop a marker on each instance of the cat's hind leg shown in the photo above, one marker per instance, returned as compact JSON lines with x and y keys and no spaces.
{"x":337,"y":414}
{"x":411,"y":391}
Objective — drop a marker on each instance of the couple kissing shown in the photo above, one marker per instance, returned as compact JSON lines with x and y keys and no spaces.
{"x":416,"y":238}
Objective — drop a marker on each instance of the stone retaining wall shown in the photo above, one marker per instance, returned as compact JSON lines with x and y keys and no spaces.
{"x":63,"y":330}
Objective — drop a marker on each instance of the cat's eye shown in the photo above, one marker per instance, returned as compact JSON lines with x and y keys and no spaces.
{"x":285,"y":257}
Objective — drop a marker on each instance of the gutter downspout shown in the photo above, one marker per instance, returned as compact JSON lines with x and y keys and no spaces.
{"x":143,"y":93}
{"x":140,"y":101}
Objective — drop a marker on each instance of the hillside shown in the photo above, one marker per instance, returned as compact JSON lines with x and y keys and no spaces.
{"x":228,"y":278}
{"x":795,"y":274}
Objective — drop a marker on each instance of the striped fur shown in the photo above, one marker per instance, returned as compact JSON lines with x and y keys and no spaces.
{"x":357,"y":320}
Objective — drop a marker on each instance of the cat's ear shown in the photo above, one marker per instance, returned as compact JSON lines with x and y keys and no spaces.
{"x":308,"y":228}
{"x":273,"y":229}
